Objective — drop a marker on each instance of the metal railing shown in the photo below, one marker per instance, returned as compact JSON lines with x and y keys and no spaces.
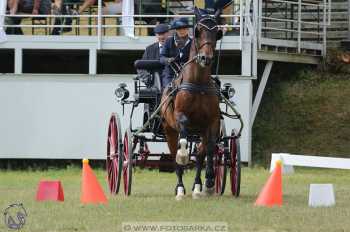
{"x":100,"y":21}
{"x":253,"y":22}
{"x":315,"y":29}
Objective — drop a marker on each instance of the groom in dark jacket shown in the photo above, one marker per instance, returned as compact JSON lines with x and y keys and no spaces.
{"x":176,"y":50}
{"x":152,"y":51}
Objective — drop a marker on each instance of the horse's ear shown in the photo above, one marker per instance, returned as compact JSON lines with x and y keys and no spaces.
{"x":219,"y":35}
{"x":196,"y":12}
{"x":196,"y":32}
{"x":217,"y":14}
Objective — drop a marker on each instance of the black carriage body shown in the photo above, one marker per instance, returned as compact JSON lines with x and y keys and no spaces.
{"x":148,"y":91}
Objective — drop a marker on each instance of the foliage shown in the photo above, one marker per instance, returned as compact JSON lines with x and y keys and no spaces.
{"x":307,"y":113}
{"x":333,"y":62}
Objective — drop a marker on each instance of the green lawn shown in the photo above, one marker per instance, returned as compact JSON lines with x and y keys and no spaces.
{"x":153,"y":200}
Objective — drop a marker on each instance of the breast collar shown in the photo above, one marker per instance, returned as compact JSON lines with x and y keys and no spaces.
{"x":198,"y":88}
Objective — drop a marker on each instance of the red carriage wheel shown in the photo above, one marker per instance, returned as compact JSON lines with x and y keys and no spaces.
{"x":127,"y":162}
{"x":114,"y":150}
{"x":220,"y":162}
{"x":220,"y":170}
{"x":235,"y":164}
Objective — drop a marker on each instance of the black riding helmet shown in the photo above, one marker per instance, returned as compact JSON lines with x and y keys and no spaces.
{"x":179,"y":23}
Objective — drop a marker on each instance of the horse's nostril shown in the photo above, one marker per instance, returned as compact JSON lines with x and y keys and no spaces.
{"x":208,"y":60}
{"x":205,"y":60}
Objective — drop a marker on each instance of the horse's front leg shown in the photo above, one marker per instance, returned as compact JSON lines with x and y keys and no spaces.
{"x":180,"y":188}
{"x":182,"y":157}
{"x":172,"y":136}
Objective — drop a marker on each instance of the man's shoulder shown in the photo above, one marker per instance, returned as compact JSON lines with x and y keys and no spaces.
{"x":169,"y":41}
{"x":152,"y":46}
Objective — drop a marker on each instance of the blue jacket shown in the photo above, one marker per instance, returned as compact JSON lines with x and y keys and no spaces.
{"x":170,"y":50}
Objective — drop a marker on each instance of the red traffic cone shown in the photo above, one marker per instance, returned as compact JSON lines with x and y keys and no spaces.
{"x":271,"y":194}
{"x":91,"y":191}
{"x":50,"y":190}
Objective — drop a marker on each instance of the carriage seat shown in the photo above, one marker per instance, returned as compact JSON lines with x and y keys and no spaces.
{"x":151,"y":93}
{"x":149,"y":65}
{"x":154,"y":67}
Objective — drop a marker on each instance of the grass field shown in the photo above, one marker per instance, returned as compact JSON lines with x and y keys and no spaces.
{"x":153,"y":200}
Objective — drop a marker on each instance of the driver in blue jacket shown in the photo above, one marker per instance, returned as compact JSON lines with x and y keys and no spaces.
{"x":176,"y":50}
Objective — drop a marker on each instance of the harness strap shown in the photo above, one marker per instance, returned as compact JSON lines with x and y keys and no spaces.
{"x":201,"y":89}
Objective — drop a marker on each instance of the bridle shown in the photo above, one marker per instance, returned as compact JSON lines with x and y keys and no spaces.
{"x":198,"y":57}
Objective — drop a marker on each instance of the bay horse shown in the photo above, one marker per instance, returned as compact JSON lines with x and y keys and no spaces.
{"x":194,"y":108}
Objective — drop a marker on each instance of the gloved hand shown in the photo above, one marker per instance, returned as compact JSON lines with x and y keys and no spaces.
{"x":146,"y":78}
{"x":170,"y":60}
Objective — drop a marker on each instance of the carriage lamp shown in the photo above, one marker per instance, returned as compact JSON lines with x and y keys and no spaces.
{"x":228,"y":90}
{"x":121,"y":92}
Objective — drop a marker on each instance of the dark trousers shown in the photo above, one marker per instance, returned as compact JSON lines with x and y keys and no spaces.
{"x":166,"y":80}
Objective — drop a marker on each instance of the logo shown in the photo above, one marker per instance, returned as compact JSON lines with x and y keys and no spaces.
{"x":15,"y":216}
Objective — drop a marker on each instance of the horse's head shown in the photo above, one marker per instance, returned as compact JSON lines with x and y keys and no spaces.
{"x":206,"y":33}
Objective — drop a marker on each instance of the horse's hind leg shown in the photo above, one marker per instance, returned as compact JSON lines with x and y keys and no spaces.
{"x":209,"y":172}
{"x":182,"y":157}
{"x":197,"y":186}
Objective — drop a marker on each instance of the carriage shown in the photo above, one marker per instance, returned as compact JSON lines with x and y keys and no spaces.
{"x":125,"y":152}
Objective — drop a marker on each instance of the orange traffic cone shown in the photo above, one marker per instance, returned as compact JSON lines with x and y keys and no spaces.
{"x":271,"y":194}
{"x":91,"y":191}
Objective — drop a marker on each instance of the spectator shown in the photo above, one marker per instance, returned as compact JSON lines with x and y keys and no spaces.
{"x":152,"y":7}
{"x":35,"y":7}
{"x":112,"y":8}
{"x":13,"y":6}
{"x":60,"y":9}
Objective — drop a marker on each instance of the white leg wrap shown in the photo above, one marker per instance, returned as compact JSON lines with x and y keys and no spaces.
{"x":180,"y":193}
{"x":182,"y":154}
{"x":196,"y":191}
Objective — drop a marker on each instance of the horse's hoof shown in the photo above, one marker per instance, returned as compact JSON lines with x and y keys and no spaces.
{"x":182,"y":157}
{"x":180,"y":193}
{"x":208,"y":191}
{"x":179,"y":197}
{"x":196,"y":194}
